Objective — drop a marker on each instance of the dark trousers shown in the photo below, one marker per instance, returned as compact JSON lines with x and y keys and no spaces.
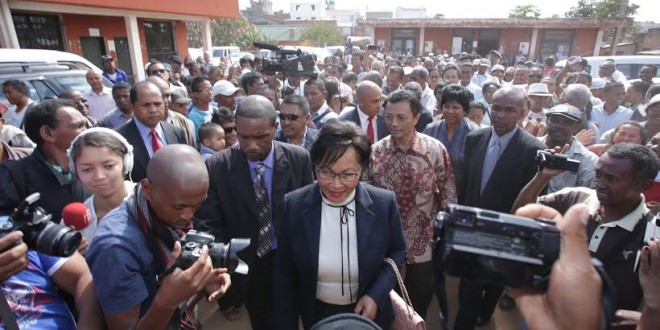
{"x":323,"y":310}
{"x":475,"y":301}
{"x":418,"y":282}
{"x":260,"y":292}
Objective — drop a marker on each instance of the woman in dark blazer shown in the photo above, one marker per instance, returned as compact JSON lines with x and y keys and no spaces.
{"x":334,"y":236}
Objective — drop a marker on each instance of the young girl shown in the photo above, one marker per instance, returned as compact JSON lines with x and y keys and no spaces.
{"x":101,"y":158}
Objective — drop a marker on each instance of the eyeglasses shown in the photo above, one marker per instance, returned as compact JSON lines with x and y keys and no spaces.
{"x":205,"y":90}
{"x":328,"y":175}
{"x":229,"y":129}
{"x":157,"y":71}
{"x":290,"y":117}
{"x":535,"y":75}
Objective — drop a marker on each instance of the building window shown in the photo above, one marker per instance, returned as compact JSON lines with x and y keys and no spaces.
{"x":297,"y":7}
{"x":558,"y":43}
{"x":313,"y":7}
{"x":159,"y":37}
{"x":38,"y":31}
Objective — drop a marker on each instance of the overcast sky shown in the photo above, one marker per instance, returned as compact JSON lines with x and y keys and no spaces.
{"x":649,"y":9}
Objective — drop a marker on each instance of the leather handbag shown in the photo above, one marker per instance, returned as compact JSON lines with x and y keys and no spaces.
{"x":405,"y":317}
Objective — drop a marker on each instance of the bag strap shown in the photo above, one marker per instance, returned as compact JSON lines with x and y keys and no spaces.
{"x":404,"y":292}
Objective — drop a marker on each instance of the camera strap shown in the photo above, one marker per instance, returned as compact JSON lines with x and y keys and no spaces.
{"x":8,"y":318}
{"x":609,"y":293}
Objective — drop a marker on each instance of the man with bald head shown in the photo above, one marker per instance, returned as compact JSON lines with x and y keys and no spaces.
{"x":99,"y":97}
{"x":368,"y":114}
{"x":138,"y":240}
{"x":247,"y":186}
{"x":421,"y":76}
{"x":173,"y":117}
{"x":147,"y":132}
{"x":500,"y":161}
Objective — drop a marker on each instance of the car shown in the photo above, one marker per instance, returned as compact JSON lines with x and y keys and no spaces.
{"x":195,"y":53}
{"x":334,"y":50}
{"x":46,"y":76}
{"x":223,"y":51}
{"x":628,"y":65}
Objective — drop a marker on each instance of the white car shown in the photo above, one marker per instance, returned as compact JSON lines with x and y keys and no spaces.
{"x":629,"y":65}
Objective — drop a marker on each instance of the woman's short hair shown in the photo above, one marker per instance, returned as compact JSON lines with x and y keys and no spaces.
{"x":457,"y":94}
{"x":332,"y":87}
{"x":477,"y":105}
{"x":334,"y":138}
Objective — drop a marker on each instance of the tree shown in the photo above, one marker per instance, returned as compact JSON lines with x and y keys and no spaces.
{"x":225,"y":32}
{"x":321,"y":34}
{"x":329,"y":4}
{"x":603,"y":9}
{"x":525,"y":11}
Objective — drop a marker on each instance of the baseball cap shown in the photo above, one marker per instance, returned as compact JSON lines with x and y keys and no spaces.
{"x":654,"y":100}
{"x":484,"y":62}
{"x":179,"y":97}
{"x":495,"y":52}
{"x":598,"y":83}
{"x":106,"y":58}
{"x":224,"y":88}
{"x":407,"y":70}
{"x":538,"y":89}
{"x":176,"y":58}
{"x":498,"y":67}
{"x":567,"y":111}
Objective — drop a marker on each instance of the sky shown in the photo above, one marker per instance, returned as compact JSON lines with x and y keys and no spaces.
{"x":649,"y":10}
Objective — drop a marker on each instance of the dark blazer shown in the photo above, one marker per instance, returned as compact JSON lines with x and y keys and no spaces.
{"x":309,"y":137}
{"x":425,"y":118}
{"x":353,"y":116}
{"x":173,"y":135}
{"x":229,"y":210}
{"x":514,"y":169}
{"x":379,"y":235}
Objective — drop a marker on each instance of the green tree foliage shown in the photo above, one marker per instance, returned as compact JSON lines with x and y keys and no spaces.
{"x":602,"y":9}
{"x":321,"y":34}
{"x":329,"y":4}
{"x":525,"y":11}
{"x":225,"y":32}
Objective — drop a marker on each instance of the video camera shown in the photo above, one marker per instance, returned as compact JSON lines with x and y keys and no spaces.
{"x":496,"y":248}
{"x":39,"y":232}
{"x":222,"y":255}
{"x":291,"y":63}
{"x":546,"y":159}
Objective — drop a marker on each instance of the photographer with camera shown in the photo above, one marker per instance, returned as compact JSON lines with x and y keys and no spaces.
{"x":134,"y":251}
{"x":619,"y":220}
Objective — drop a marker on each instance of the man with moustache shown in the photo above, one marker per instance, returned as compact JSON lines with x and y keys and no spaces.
{"x":294,"y":114}
{"x":368,"y":113}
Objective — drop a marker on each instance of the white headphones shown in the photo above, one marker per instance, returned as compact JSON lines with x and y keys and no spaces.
{"x":128,"y":157}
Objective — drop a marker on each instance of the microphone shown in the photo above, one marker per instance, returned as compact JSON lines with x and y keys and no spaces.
{"x":265,"y":46}
{"x":76,"y":215}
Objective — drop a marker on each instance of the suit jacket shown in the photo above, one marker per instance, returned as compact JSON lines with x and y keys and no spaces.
{"x":353,"y":116}
{"x":513,"y":170}
{"x":229,"y":210}
{"x":309,"y":137}
{"x":379,"y":235}
{"x":173,"y":135}
{"x":425,"y":118}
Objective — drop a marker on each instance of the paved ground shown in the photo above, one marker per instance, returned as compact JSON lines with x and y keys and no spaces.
{"x":212,"y":319}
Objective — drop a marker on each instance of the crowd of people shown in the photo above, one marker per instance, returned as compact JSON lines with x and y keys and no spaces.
{"x":328,"y":175}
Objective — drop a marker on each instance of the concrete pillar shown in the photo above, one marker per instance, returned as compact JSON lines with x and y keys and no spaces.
{"x":615,"y":42}
{"x":421,"y":42}
{"x":8,"y":38}
{"x":599,"y":41}
{"x":134,"y":47}
{"x":207,"y":43}
{"x":532,"y":45}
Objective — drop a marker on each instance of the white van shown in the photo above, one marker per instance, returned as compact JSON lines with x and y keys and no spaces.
{"x":629,"y":65}
{"x":16,"y":55}
{"x":223,"y":51}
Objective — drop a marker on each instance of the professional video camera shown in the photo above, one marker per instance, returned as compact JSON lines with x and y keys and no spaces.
{"x":39,"y":232}
{"x":496,"y":248}
{"x":291,"y":63}
{"x":222,"y":255}
{"x":546,"y":159}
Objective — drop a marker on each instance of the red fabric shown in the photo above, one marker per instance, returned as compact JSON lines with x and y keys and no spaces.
{"x":653,"y":194}
{"x":155,"y":143}
{"x":370,"y":130}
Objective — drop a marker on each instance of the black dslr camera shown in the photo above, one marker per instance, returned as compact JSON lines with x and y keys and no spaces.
{"x":496,"y":248}
{"x":556,"y":161}
{"x":39,"y":232}
{"x":222,"y":255}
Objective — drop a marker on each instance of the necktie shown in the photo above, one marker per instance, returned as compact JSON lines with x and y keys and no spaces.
{"x":263,"y":204}
{"x":492,"y":155}
{"x":155,"y":143}
{"x":370,"y":130}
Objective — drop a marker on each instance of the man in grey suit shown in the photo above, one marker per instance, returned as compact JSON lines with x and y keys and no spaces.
{"x":500,"y":161}
{"x":147,"y":133}
{"x":247,"y":187}
{"x":294,"y":114}
{"x":368,"y":114}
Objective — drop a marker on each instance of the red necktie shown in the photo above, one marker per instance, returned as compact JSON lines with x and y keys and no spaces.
{"x":370,"y":130}
{"x":155,"y":143}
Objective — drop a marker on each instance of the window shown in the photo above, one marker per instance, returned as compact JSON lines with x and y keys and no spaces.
{"x":558,"y":43}
{"x":313,"y":7}
{"x":38,"y":31}
{"x":297,"y":7}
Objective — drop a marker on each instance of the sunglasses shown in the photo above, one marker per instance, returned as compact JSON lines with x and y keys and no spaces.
{"x":157,"y":71}
{"x":229,"y":129}
{"x":290,"y":117}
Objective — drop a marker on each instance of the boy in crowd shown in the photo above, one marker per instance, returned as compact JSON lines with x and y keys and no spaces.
{"x":213,"y":139}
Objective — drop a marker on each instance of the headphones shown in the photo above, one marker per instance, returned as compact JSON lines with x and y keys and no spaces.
{"x":128,"y":157}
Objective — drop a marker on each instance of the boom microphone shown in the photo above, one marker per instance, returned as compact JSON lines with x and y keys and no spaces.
{"x":76,"y":215}
{"x":265,"y":46}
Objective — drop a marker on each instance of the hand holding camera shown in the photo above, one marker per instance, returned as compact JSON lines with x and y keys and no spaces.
{"x":180,"y":285}
{"x":553,"y":162}
{"x":13,"y":258}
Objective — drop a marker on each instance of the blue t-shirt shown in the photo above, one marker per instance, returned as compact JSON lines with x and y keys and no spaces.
{"x":33,"y":297}
{"x":122,"y":264}
{"x":199,"y":117}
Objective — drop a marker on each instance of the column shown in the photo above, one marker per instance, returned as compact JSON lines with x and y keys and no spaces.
{"x":615,"y":42}
{"x":207,"y":43}
{"x":599,"y":41}
{"x":134,"y":46}
{"x":420,"y":47}
{"x":8,"y":38}
{"x":532,"y":45}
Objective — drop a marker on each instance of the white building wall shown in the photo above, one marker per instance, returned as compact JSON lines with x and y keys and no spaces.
{"x":307,"y":10}
{"x":406,"y":13}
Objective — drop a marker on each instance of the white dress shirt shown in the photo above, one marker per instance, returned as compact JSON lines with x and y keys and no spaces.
{"x":364,"y":123}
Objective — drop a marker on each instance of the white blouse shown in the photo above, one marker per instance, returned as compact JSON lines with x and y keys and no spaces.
{"x":338,"y":280}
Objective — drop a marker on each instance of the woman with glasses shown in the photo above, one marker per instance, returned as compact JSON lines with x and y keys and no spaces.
{"x":334,"y":237}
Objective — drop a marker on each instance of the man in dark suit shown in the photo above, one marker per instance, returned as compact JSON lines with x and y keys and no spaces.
{"x":368,"y":114}
{"x":147,"y":133}
{"x":500,"y":161}
{"x":294,"y":114}
{"x":247,"y":186}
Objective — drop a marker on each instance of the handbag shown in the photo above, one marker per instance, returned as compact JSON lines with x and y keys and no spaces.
{"x":405,"y":317}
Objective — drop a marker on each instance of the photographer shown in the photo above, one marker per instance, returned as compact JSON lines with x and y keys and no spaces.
{"x":619,"y":216}
{"x":138,"y":240}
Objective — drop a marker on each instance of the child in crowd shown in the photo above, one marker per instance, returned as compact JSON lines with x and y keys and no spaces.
{"x":213,"y":139}
{"x":476,"y":112}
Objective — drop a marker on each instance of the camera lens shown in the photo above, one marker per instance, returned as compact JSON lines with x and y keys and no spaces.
{"x":55,"y":240}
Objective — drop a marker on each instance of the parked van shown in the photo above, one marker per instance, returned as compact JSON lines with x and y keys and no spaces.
{"x":223,"y":51}
{"x":629,"y":65}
